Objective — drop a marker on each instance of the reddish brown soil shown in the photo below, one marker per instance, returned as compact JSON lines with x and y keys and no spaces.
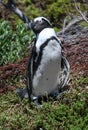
{"x":77,"y":55}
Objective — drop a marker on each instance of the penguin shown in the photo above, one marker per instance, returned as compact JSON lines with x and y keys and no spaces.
{"x":47,"y":70}
{"x":45,"y":63}
{"x":46,"y":58}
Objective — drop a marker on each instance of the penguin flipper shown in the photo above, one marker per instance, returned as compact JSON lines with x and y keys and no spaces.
{"x":65,"y":71}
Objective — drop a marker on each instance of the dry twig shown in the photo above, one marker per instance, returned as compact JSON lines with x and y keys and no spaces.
{"x":80,"y":12}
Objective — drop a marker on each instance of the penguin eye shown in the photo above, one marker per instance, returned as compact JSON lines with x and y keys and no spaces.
{"x":40,"y":21}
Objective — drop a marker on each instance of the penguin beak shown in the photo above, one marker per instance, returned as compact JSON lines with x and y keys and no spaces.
{"x":33,"y":24}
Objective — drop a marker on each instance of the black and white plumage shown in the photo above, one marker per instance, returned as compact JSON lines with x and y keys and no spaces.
{"x":46,"y":61}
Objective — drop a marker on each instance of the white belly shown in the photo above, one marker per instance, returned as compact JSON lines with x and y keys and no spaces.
{"x":46,"y":78}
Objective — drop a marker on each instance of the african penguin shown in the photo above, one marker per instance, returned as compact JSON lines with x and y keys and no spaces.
{"x":46,"y":60}
{"x":44,"y":65}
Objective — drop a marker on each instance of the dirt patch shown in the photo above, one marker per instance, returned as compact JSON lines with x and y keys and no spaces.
{"x":77,"y":55}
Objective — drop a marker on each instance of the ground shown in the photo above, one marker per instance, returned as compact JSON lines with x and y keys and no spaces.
{"x":67,"y":112}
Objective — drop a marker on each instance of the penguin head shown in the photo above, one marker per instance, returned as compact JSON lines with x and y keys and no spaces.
{"x":40,"y":23}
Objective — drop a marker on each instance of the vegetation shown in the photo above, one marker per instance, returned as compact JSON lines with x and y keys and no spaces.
{"x":13,"y":44}
{"x":67,"y":112}
{"x":55,"y":10}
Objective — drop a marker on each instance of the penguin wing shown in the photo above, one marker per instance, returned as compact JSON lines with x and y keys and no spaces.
{"x":30,"y":70}
{"x":65,"y":71}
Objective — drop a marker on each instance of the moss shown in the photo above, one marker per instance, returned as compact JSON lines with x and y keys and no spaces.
{"x":82,"y":80}
{"x":84,"y":24}
{"x":70,"y":111}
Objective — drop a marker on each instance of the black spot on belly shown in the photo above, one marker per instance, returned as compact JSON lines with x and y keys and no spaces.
{"x":47,"y":79}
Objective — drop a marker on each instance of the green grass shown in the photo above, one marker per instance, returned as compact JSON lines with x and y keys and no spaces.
{"x":68,"y":112}
{"x":13,"y":43}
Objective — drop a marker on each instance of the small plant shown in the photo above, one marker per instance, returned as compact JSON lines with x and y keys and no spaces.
{"x":13,"y":43}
